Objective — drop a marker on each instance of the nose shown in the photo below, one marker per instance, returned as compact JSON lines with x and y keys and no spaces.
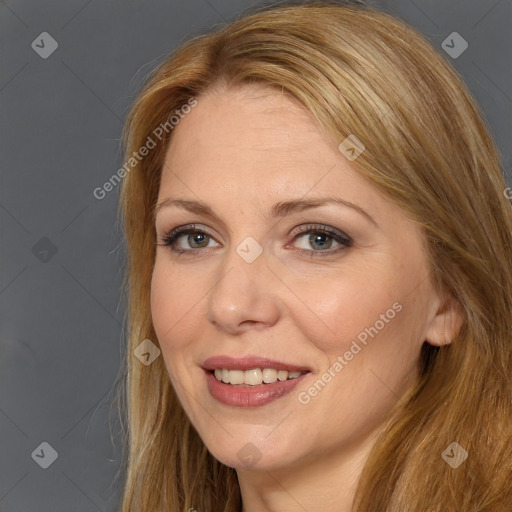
{"x":245,"y":295}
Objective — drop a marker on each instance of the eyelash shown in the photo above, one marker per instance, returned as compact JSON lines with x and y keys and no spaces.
{"x":170,"y":238}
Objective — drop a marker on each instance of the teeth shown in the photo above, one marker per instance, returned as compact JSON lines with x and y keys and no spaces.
{"x":269,"y":375}
{"x":254,"y":377}
{"x":251,"y":377}
{"x":282,"y":375}
{"x":236,"y":377}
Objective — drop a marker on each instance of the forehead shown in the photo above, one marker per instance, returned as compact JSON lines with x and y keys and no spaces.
{"x":250,"y":134}
{"x":263,"y":121}
{"x":258,"y":146}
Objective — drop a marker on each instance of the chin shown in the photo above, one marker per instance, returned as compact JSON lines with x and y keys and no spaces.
{"x":246,"y":452}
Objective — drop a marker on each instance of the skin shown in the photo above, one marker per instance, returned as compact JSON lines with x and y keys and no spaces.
{"x":241,"y":151}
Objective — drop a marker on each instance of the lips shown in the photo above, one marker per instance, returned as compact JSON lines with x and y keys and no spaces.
{"x":250,"y":363}
{"x":250,"y":395}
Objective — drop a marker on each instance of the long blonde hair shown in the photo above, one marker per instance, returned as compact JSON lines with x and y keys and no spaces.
{"x":357,"y":71}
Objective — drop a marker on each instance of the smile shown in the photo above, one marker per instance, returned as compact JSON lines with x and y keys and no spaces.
{"x":251,"y":381}
{"x":254,"y":377}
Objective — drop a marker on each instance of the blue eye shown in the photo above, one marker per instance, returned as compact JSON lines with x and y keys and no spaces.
{"x":319,"y":236}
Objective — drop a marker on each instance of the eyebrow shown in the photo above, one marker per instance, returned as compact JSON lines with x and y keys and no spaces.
{"x":280,"y":209}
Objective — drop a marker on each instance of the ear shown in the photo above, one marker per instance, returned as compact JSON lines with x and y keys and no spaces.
{"x":446,"y":323}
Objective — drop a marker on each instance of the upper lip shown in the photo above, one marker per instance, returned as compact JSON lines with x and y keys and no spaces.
{"x":249,"y":363}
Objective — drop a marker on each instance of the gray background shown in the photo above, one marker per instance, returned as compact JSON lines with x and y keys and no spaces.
{"x":61,"y":334}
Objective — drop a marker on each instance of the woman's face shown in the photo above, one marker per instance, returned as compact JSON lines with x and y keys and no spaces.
{"x":260,"y":278}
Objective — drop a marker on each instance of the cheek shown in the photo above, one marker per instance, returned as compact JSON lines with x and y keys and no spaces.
{"x":335,"y":311}
{"x":171,"y":300}
{"x":171,"y":310}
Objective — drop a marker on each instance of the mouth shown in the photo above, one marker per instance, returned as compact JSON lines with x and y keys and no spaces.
{"x":254,"y":376}
{"x":251,"y":381}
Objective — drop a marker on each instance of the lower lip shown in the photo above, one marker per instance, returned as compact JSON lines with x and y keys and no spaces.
{"x":250,"y":396}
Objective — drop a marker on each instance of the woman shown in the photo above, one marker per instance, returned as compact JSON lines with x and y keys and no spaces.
{"x":374,"y":376}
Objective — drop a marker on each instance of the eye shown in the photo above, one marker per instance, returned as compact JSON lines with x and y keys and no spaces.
{"x":196,"y":239}
{"x":318,"y":237}
{"x":321,"y":239}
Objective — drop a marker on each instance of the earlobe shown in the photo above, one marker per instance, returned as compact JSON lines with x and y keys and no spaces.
{"x":446,"y":323}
